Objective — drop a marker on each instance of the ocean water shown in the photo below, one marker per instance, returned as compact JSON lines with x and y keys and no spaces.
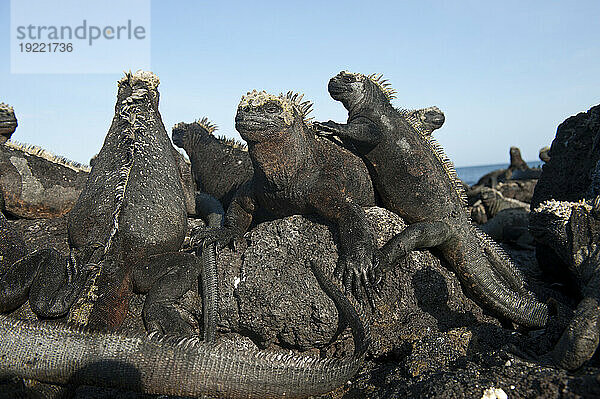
{"x":471,"y":174}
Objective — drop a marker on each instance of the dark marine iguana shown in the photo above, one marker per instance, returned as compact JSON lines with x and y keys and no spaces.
{"x":415,"y":180}
{"x":124,"y":230}
{"x":37,"y":184}
{"x":8,"y":122}
{"x":173,"y":365}
{"x":219,"y":165}
{"x":572,"y":230}
{"x":298,"y":173}
{"x":167,"y":364}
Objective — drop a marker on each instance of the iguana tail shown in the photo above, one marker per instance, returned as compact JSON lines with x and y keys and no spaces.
{"x":174,"y":365}
{"x":495,"y":281}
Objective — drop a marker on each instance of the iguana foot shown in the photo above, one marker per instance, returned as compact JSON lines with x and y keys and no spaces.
{"x":326,"y":128}
{"x":360,"y":275}
{"x":57,"y":283}
{"x":580,"y":339}
{"x":165,"y":279}
{"x":164,"y":318}
{"x":203,"y":236}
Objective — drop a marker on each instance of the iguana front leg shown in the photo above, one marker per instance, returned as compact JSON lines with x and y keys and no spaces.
{"x":360,"y":130}
{"x":237,"y":221}
{"x":50,"y":281}
{"x":165,"y":278}
{"x":356,"y":260}
{"x":415,"y":236}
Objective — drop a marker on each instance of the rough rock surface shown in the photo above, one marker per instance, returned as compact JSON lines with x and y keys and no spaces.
{"x":430,"y":341}
{"x":36,"y":184}
{"x":510,"y":226}
{"x":574,"y":155}
{"x":276,"y":299}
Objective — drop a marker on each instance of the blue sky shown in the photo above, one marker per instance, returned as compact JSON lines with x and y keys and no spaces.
{"x":505,"y":73}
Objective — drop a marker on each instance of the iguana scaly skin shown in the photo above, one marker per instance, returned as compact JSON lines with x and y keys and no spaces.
{"x":572,"y":230}
{"x":297,"y":173}
{"x":415,"y":180}
{"x":37,"y":184}
{"x":8,"y":122}
{"x":123,"y":232}
{"x":219,"y":166}
{"x":174,"y":365}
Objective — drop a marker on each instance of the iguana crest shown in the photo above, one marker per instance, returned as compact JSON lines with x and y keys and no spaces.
{"x":210,"y":128}
{"x":290,"y":102}
{"x":47,"y":155}
{"x":6,"y":110}
{"x":384,"y":85}
{"x":377,"y":80}
{"x":207,"y":125}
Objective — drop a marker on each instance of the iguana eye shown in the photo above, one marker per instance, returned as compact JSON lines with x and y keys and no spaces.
{"x":272,"y":108}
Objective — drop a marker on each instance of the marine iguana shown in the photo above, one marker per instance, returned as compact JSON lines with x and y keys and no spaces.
{"x":8,"y":122}
{"x":219,"y":165}
{"x":37,"y":184}
{"x":123,"y":232}
{"x":572,"y":229}
{"x":298,"y":173}
{"x":167,"y":364}
{"x":415,"y":180}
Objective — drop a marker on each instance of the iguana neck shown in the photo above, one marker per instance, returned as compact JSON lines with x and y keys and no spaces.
{"x":279,"y":160}
{"x":368,"y":107}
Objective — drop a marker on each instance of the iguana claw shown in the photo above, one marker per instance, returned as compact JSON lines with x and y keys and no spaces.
{"x":360,"y":276}
{"x":326,"y":128}
{"x":203,"y":236}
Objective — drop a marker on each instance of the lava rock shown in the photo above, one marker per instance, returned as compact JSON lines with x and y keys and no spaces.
{"x":574,"y":153}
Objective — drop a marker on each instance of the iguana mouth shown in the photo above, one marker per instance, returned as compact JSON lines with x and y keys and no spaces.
{"x":335,"y":88}
{"x":250,"y":123}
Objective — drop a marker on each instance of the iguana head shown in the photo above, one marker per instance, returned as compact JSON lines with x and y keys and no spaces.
{"x":134,"y":86}
{"x":8,"y":122}
{"x":263,"y":117}
{"x":548,"y":224}
{"x":572,"y":229}
{"x":185,"y":135}
{"x":432,"y":118}
{"x":354,"y":89}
